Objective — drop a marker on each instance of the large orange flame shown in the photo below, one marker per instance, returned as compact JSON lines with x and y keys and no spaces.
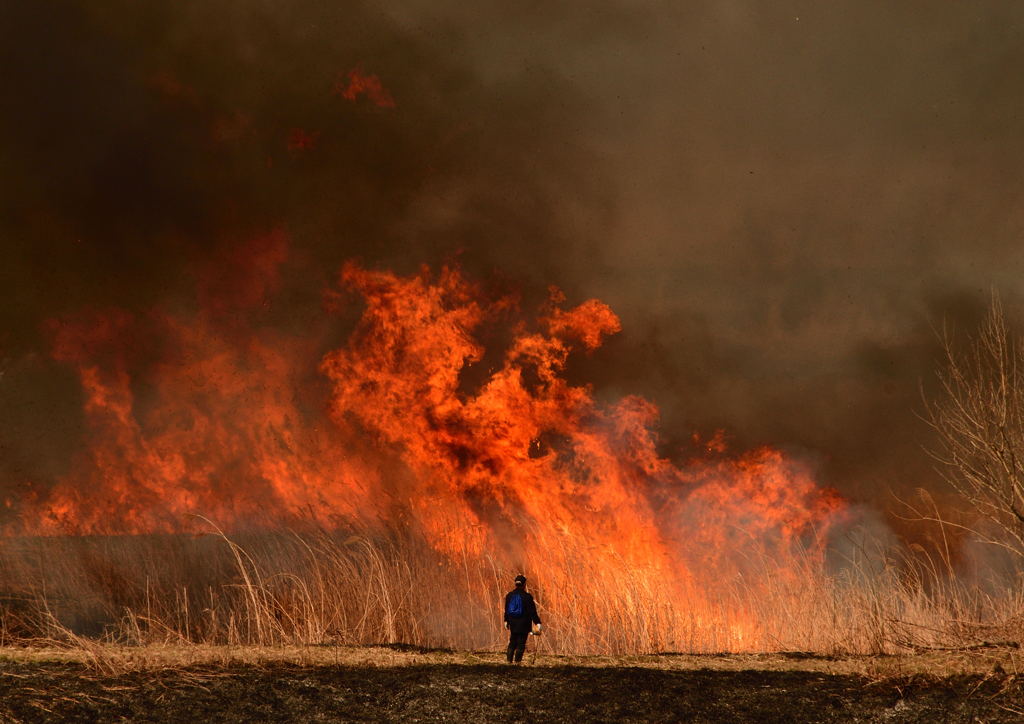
{"x":228,"y":424}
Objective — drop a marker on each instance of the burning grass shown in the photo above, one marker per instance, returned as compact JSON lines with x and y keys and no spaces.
{"x":412,"y":497}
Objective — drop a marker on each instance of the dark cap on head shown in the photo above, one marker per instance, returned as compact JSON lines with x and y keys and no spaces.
{"x":520,"y":580}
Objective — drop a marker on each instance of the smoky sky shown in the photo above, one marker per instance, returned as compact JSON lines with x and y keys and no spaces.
{"x":784,"y":202}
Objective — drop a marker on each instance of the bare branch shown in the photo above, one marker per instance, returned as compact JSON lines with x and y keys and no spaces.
{"x":979,"y":423}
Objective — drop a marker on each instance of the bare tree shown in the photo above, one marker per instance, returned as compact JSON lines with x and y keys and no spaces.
{"x":979,"y":417}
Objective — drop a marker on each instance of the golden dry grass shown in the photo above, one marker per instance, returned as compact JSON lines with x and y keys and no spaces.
{"x":321,"y":592}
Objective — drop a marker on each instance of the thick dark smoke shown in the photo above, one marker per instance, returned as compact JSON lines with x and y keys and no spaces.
{"x":783,"y":201}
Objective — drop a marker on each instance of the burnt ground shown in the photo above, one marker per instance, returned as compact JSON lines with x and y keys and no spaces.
{"x":279,"y":692}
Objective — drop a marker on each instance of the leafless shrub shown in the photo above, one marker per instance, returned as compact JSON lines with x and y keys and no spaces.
{"x":979,"y":418}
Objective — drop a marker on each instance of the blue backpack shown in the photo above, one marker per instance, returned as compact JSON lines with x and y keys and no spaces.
{"x":515,"y":606}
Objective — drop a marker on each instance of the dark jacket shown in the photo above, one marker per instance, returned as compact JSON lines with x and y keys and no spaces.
{"x":525,"y":623}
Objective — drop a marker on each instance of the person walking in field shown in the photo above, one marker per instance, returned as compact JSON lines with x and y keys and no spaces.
{"x":520,"y":615}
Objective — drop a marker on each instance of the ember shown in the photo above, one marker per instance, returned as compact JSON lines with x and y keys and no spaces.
{"x":360,"y":84}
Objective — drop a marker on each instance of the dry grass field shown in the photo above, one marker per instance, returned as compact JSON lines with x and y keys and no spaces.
{"x":349,"y":589}
{"x":333,"y":627}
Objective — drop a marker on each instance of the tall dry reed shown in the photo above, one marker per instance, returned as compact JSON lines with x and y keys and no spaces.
{"x":362,"y":587}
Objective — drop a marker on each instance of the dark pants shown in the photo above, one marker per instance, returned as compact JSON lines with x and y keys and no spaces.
{"x":516,"y":645}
